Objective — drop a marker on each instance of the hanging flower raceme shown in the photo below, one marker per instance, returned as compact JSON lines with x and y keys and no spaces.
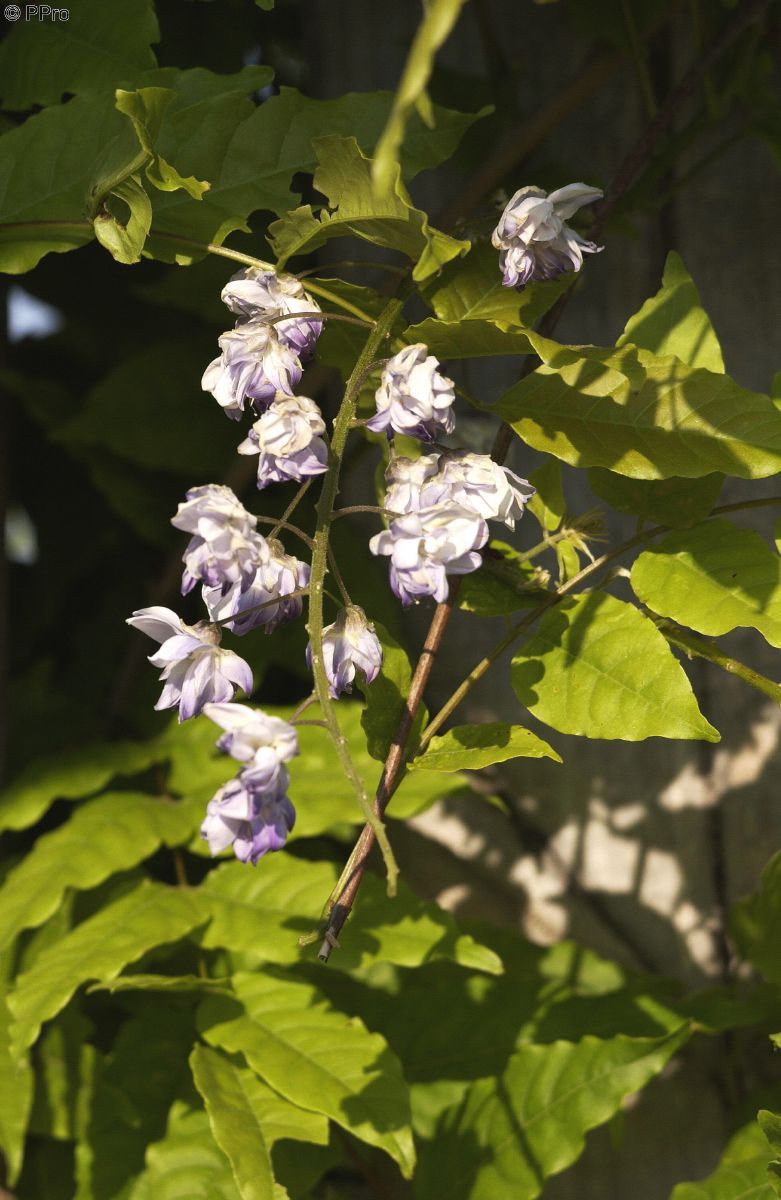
{"x":252,"y":812}
{"x":428,"y":545}
{"x":273,"y":586}
{"x":288,"y":441}
{"x":254,"y":821}
{"x":477,"y":483}
{"x":224,"y":550}
{"x":533,"y":237}
{"x":413,"y":398}
{"x":257,"y":294}
{"x":349,"y":645}
{"x":255,"y":364}
{"x":195,"y":669}
{"x":250,"y":733}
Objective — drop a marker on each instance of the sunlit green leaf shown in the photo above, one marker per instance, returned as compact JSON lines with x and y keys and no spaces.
{"x":755,"y":920}
{"x":109,"y":834}
{"x":599,"y":668}
{"x":265,"y":912}
{"x":148,"y":916}
{"x":344,"y":177}
{"x":641,"y":415}
{"x":386,"y":697}
{"x":471,"y":747}
{"x":318,"y":1058}
{"x":713,"y":578}
{"x":740,"y":1175}
{"x":186,"y":1162}
{"x":16,"y":1095}
{"x":507,"y":1135}
{"x":234,"y":1123}
{"x":674,"y":322}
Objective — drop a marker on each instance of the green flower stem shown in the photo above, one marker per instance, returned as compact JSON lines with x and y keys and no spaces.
{"x":700,"y":647}
{"x":478,"y":671}
{"x":325,"y":514}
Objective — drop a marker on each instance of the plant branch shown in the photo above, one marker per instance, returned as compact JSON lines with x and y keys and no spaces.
{"x":700,"y":647}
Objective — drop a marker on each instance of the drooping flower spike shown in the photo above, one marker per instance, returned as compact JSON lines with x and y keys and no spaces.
{"x":225,"y":549}
{"x":413,"y":397}
{"x":255,"y":365}
{"x":257,"y":294}
{"x":472,"y":481}
{"x":349,"y":645}
{"x":288,"y":441}
{"x":532,"y":235}
{"x":195,"y":669}
{"x":268,"y":600}
{"x":254,"y":821}
{"x":428,"y":545}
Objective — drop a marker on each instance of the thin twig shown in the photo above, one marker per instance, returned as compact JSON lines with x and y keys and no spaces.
{"x":245,"y":612}
{"x":318,"y":315}
{"x":282,"y":524}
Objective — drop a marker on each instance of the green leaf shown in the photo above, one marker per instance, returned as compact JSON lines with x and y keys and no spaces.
{"x":673,"y":322}
{"x":740,"y":1175}
{"x":439,"y":18}
{"x":70,"y":775}
{"x":186,"y":1162}
{"x":713,"y":578}
{"x":162,"y":983}
{"x":548,"y":504}
{"x":16,"y":1097}
{"x":504,"y":583}
{"x":597,"y":667}
{"x":344,"y":177}
{"x":770,"y":1124}
{"x":123,"y":1097}
{"x":507,"y":1135}
{"x":467,"y":339}
{"x":472,"y":290}
{"x":754,"y":923}
{"x":60,"y":1062}
{"x":148,"y":916}
{"x":234,"y":1124}
{"x":110,"y":834}
{"x":675,"y":502}
{"x":386,"y":697}
{"x":121,"y":234}
{"x":264,"y":913}
{"x":642,"y":416}
{"x":471,"y":747}
{"x":317,"y":1058}
{"x":96,"y":48}
{"x":146,"y":108}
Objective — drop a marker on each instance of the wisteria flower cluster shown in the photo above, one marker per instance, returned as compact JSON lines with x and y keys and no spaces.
{"x":437,"y":509}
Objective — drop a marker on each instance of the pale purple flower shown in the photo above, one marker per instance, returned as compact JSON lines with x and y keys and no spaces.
{"x":254,"y":365}
{"x":250,"y":733}
{"x":278,"y":578}
{"x":253,"y":821}
{"x":533,"y":237}
{"x":405,"y":479}
{"x":224,"y":549}
{"x":288,"y":441}
{"x":426,"y":546}
{"x":349,"y":645}
{"x":259,"y":294}
{"x":477,"y":483}
{"x":413,"y":398}
{"x":195,"y":670}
